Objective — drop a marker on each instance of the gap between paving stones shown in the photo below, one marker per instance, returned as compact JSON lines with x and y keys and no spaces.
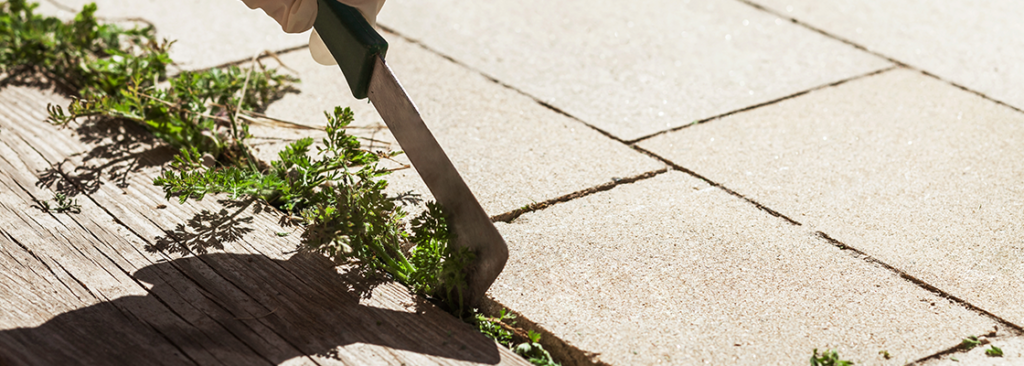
{"x":1015,"y":329}
{"x":1018,"y":330}
{"x":512,"y":215}
{"x":559,"y":349}
{"x":865,"y":49}
{"x":764,"y":104}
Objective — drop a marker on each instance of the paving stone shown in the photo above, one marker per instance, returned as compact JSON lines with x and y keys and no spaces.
{"x":976,"y":44}
{"x":1012,"y":347}
{"x":671,"y":270}
{"x":208,"y":33}
{"x":909,"y":169}
{"x":510,"y":150}
{"x":632,"y":69}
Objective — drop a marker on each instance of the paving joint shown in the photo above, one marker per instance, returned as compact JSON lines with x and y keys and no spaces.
{"x":565,"y":353}
{"x":512,"y":215}
{"x":501,"y":83}
{"x":1016,"y":329}
{"x":865,"y":49}
{"x":262,"y":55}
{"x":717,"y":185}
{"x":767,"y":103}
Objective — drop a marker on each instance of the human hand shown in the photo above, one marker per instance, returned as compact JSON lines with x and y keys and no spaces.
{"x":297,"y":16}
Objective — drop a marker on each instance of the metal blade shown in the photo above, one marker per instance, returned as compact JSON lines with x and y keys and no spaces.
{"x":472,"y":227}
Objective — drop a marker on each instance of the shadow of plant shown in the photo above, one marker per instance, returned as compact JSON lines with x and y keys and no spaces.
{"x":119,"y":148}
{"x":207,"y":229}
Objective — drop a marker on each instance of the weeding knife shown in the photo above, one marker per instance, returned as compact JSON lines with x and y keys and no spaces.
{"x":360,"y":51}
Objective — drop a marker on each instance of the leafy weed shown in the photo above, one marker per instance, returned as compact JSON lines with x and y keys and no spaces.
{"x":62,"y":204}
{"x":994,"y":351}
{"x":828,"y":358}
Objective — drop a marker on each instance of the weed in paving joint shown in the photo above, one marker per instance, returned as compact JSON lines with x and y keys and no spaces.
{"x":828,"y":358}
{"x":969,"y":343}
{"x":502,"y":330}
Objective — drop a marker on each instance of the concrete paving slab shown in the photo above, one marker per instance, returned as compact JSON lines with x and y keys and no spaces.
{"x":975,"y":44}
{"x":632,"y":69}
{"x":208,"y":33}
{"x":909,"y":169}
{"x":510,"y":150}
{"x":1012,"y":347}
{"x":670,"y":270}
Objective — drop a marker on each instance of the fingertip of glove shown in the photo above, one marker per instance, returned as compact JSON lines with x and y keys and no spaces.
{"x":318,"y":49}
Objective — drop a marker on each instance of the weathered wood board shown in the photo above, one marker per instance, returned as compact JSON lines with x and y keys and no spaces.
{"x":105,"y":286}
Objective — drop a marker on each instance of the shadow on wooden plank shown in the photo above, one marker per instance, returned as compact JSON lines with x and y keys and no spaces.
{"x":118,"y":148}
{"x":326,"y":319}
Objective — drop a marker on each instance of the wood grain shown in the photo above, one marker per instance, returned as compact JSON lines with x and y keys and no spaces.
{"x":92,"y":288}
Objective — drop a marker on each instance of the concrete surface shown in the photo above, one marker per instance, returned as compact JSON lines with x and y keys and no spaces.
{"x":632,"y":70}
{"x":207,"y":33}
{"x":1011,"y":347}
{"x":670,"y":270}
{"x":976,"y":44}
{"x":510,"y":150}
{"x":915,"y":172}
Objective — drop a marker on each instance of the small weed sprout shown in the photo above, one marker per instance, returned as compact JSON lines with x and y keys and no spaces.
{"x":969,"y":343}
{"x":61,"y":204}
{"x":828,"y":358}
{"x":994,"y":351}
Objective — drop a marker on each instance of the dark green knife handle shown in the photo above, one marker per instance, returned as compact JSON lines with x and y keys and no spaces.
{"x":352,"y":42}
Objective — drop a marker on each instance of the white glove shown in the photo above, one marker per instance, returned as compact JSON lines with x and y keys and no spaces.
{"x":297,"y":16}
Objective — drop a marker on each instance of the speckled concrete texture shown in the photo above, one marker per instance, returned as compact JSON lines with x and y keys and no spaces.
{"x":207,"y":33}
{"x":670,"y":270}
{"x":977,"y":44}
{"x":510,"y":150}
{"x":913,"y":171}
{"x":632,"y":69}
{"x":1012,"y":347}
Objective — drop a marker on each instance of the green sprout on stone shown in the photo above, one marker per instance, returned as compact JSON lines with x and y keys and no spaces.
{"x":828,"y":358}
{"x":994,"y":351}
{"x":969,"y":343}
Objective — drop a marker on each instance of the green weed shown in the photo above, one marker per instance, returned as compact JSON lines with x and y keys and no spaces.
{"x":969,"y":343}
{"x":62,"y":204}
{"x":994,"y":351}
{"x":501,"y":330}
{"x":828,"y":358}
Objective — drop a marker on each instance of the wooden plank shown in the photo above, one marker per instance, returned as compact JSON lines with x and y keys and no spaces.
{"x":256,"y":301}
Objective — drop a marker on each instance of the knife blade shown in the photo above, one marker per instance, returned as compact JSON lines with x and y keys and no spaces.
{"x":360,"y":52}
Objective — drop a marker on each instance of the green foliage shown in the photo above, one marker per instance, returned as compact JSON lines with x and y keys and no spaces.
{"x":337,"y":193}
{"x":994,"y":351}
{"x":499,"y":329}
{"x":83,"y":56}
{"x":969,"y":343}
{"x":534,"y":352}
{"x":113,"y":72}
{"x":62,"y":204}
{"x":828,"y":358}
{"x":492,"y":327}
